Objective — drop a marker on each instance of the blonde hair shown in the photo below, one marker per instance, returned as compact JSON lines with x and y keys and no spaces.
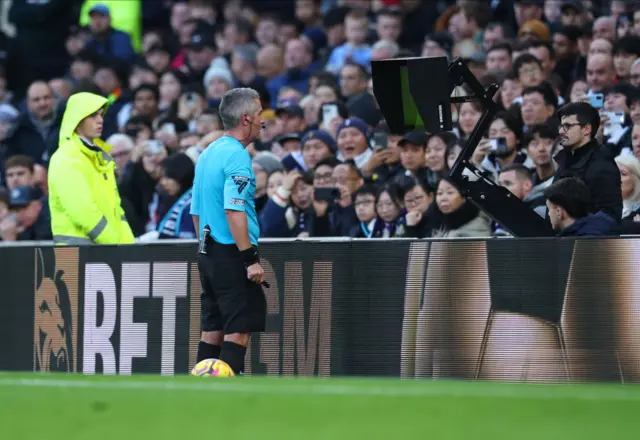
{"x":632,"y":163}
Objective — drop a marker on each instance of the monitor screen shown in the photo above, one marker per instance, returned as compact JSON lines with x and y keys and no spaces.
{"x":411,"y":115}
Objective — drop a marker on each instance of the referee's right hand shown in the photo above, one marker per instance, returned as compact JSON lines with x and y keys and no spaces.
{"x":255,"y":273}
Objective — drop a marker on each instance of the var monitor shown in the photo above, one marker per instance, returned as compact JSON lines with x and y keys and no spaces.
{"x":413,"y":93}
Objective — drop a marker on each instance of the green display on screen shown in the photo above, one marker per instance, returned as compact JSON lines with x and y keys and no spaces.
{"x":409,"y":108}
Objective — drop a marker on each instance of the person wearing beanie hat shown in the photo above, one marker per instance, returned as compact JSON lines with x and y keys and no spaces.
{"x":217,"y":81}
{"x":534,"y":30}
{"x":353,"y":140}
{"x":317,"y":145}
{"x":175,"y":192}
{"x":267,"y":162}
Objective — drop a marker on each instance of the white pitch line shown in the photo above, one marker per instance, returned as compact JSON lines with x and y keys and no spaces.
{"x":546,"y":392}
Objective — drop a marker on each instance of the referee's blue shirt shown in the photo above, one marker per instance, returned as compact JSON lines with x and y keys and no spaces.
{"x":224,"y":180}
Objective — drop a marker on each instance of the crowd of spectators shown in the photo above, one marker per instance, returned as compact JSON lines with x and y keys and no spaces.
{"x":326,"y":163}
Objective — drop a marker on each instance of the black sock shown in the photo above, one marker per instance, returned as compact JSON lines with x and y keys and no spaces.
{"x":208,"y":351}
{"x":233,"y":355}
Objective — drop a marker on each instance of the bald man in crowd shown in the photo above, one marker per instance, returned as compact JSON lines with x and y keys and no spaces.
{"x":270,"y":61}
{"x":600,"y":72}
{"x":601,"y":45}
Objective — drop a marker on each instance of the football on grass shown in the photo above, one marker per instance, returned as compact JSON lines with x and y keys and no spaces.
{"x":212,"y":367}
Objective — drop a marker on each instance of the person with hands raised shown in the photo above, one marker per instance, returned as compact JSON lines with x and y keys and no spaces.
{"x":286,"y":213}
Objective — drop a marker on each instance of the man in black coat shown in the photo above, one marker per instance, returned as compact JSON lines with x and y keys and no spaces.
{"x":38,"y":128}
{"x":583,"y":157}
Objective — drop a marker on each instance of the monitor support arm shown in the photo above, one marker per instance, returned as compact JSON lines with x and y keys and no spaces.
{"x":511,"y":213}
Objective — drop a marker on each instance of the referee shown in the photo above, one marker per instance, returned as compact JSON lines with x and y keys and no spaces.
{"x":224,"y":214}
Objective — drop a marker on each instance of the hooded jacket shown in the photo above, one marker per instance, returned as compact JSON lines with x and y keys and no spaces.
{"x":83,"y":195}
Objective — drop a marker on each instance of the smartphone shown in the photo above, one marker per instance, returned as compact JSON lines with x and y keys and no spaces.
{"x":326,"y":194}
{"x":329,"y":112}
{"x":615,"y":118}
{"x":380,"y":140}
{"x":498,"y":145}
{"x":596,"y":100}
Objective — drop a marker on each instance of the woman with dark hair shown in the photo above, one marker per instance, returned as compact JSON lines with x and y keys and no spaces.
{"x":436,"y":156}
{"x":389,"y":221}
{"x":418,"y":197}
{"x":171,"y":84}
{"x":510,"y":90}
{"x":453,"y":151}
{"x":502,"y":146}
{"x":138,"y":186}
{"x":454,"y":217}
{"x":468,"y":118}
{"x":326,"y":92}
{"x":175,"y":192}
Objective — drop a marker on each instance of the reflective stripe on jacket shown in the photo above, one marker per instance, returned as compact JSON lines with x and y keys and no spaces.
{"x":83,"y":195}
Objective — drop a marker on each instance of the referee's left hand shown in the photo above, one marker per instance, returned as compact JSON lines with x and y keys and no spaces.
{"x":255,"y":273}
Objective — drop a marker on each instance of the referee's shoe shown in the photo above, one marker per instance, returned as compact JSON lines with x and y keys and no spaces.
{"x":232,"y":302}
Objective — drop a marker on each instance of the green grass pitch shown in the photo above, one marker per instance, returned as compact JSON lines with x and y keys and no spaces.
{"x":69,"y":407}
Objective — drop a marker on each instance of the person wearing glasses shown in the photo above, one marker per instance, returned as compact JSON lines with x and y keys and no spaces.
{"x":418,"y":197}
{"x":583,"y":157}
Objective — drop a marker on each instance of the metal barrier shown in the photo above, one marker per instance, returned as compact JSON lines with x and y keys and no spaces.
{"x":520,"y":310}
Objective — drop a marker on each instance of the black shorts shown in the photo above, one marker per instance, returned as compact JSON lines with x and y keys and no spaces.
{"x":230,"y":301}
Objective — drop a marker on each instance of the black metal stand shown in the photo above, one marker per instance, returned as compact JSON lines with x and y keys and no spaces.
{"x":511,"y":213}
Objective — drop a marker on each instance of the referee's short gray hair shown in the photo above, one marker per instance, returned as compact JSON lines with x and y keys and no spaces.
{"x":235,"y":103}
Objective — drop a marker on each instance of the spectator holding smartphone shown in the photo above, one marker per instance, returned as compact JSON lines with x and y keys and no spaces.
{"x":384,"y":164}
{"x":286,"y":213}
{"x":333,"y":214}
{"x":503,"y":145}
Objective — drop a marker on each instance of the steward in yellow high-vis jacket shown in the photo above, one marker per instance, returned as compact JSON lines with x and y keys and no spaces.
{"x":83,"y":195}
